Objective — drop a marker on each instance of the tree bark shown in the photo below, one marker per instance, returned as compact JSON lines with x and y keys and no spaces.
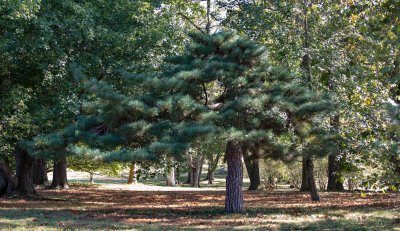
{"x":196,"y":167}
{"x":24,"y":167}
{"x":40,"y":172}
{"x":132,"y":173}
{"x":234,"y":179}
{"x":334,"y":183}
{"x":210,"y":176}
{"x":310,"y":175}
{"x":305,"y":184}
{"x":8,"y":182}
{"x":189,"y":176}
{"x":253,"y":170}
{"x":60,"y":174}
{"x":171,"y":177}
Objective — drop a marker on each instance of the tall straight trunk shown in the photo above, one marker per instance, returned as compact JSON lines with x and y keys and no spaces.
{"x":306,"y":66}
{"x":305,"y":183}
{"x":24,"y":167}
{"x":334,"y":161}
{"x":60,"y":174}
{"x":132,"y":173}
{"x":171,"y":177}
{"x":40,"y":172}
{"x":253,"y":170}
{"x":234,"y":179}
{"x":311,"y":180}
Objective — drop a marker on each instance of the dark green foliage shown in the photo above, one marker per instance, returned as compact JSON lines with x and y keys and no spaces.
{"x":39,"y":43}
{"x":256,"y":102}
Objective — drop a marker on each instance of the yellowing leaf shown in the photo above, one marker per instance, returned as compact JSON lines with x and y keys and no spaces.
{"x":363,"y":195}
{"x":353,"y":18}
{"x":391,"y":35}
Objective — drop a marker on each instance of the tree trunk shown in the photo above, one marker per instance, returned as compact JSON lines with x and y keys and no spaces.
{"x":91,"y":180}
{"x":24,"y":167}
{"x":132,"y":173}
{"x":196,"y":167}
{"x":234,"y":179}
{"x":253,"y":170}
{"x":60,"y":174}
{"x":310,"y":175}
{"x":210,"y":176}
{"x":171,"y":177}
{"x":8,"y":182}
{"x":212,"y":166}
{"x":396,"y":168}
{"x":305,"y":184}
{"x":40,"y":172}
{"x":189,"y":176}
{"x":334,"y":183}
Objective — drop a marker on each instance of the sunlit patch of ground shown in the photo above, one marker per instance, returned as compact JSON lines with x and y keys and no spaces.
{"x":128,"y":208}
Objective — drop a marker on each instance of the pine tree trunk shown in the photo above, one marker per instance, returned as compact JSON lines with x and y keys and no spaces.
{"x":234,"y":179}
{"x":24,"y":167}
{"x":60,"y":174}
{"x":171,"y":177}
{"x":253,"y":170}
{"x":311,"y":180}
{"x":305,"y":184}
{"x":40,"y":172}
{"x":132,"y":173}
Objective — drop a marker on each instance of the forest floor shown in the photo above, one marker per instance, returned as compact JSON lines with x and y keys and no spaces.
{"x":108,"y":206}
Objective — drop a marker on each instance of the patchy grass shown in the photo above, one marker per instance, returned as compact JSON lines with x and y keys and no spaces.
{"x":122,"y":209}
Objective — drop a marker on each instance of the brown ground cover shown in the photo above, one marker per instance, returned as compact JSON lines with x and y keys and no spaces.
{"x":102,"y":208}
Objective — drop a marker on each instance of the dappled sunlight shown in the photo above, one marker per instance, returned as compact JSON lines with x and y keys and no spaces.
{"x":194,"y":210}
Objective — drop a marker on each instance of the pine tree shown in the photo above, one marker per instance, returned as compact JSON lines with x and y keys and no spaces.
{"x":256,"y":104}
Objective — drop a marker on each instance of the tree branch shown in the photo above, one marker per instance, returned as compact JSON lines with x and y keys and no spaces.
{"x":205,"y":93}
{"x":191,"y":22}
